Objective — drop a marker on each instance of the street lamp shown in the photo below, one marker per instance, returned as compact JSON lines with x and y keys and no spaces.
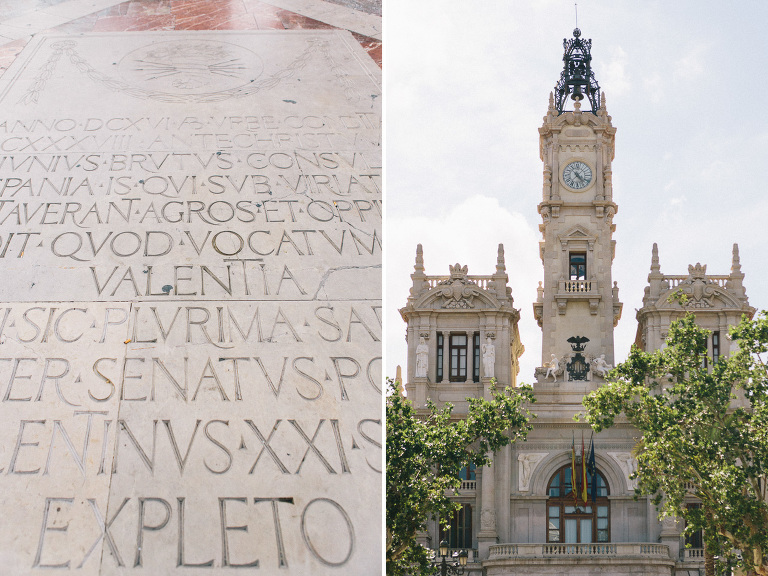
{"x":456,"y":567}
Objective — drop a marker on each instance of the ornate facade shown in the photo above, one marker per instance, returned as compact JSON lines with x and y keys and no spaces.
{"x":522,"y":515}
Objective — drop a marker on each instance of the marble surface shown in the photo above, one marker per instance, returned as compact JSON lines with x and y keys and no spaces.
{"x":22,"y":19}
{"x":190,"y":247}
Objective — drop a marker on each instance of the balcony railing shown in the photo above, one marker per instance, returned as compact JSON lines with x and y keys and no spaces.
{"x":468,"y":485}
{"x":624,"y":549}
{"x":693,"y":554}
{"x":483,"y":282}
{"x":675,"y":281}
{"x":577,"y":286}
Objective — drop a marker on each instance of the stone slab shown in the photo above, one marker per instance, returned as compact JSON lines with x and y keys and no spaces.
{"x":190,"y":314}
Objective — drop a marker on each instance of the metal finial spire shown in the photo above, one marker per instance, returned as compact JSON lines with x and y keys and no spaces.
{"x":576,"y":8}
{"x":577,"y":78}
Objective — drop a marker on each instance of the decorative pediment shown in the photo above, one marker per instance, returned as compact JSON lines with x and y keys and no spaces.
{"x":700,"y":294}
{"x":577,"y":234}
{"x":457,"y":294}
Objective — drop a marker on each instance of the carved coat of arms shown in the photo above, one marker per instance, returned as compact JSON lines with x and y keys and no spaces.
{"x":458,"y":291}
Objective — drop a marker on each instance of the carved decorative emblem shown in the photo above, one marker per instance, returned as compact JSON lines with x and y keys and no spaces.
{"x":191,"y":66}
{"x":458,"y":271}
{"x":578,"y":367}
{"x":186,"y":70}
{"x":488,"y":519}
{"x":700,"y":290}
{"x":459,"y":291}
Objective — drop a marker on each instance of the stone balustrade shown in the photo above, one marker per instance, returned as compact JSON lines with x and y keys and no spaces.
{"x":483,"y":282}
{"x":693,"y":554}
{"x":468,"y":485}
{"x":577,"y":286}
{"x":548,"y":550}
{"x":675,"y":281}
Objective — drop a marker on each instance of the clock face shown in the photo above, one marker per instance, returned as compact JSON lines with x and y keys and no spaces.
{"x":577,"y":175}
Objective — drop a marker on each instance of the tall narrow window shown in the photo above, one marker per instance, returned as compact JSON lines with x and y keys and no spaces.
{"x":694,"y":540}
{"x":459,"y":534}
{"x":577,"y":264}
{"x":715,"y":346}
{"x":468,"y":472}
{"x":439,"y":357}
{"x":476,"y":357}
{"x":458,"y":351}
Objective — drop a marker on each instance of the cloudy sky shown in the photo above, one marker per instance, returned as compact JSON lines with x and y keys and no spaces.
{"x":467,"y":85}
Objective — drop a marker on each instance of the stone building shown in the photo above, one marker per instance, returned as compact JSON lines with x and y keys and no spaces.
{"x":520,"y":515}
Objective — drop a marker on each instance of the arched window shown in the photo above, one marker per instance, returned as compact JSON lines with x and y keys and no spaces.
{"x":468,"y":472}
{"x":569,"y":518}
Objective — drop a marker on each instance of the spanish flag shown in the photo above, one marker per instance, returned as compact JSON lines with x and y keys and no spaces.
{"x":583,"y":470}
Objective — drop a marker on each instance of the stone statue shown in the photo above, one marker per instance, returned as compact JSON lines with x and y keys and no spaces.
{"x":628,"y":465}
{"x":552,"y":367}
{"x":422,"y":358}
{"x":489,"y":358}
{"x":528,"y":462}
{"x":600,"y":366}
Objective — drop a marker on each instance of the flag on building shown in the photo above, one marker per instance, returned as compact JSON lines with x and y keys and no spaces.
{"x":583,"y":471}
{"x":592,"y":468}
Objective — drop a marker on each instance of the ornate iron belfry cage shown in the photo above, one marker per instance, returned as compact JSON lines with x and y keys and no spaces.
{"x":577,"y":78}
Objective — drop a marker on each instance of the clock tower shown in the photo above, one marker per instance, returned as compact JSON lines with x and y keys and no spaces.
{"x":578,"y":304}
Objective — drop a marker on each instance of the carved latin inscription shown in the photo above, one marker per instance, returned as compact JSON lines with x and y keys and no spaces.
{"x":190,"y":312}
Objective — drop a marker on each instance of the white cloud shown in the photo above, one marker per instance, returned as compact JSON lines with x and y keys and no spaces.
{"x":614,"y":73}
{"x":691,"y":65}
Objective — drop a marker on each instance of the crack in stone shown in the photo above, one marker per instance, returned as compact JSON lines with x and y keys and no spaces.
{"x":336,"y":269}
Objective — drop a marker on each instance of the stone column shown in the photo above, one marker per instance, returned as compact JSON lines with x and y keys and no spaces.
{"x":420,"y":383}
{"x":486,"y":536}
{"x":432,"y":368}
{"x":423,"y":538}
{"x":503,"y":493}
{"x":670,"y":535}
{"x":501,"y":351}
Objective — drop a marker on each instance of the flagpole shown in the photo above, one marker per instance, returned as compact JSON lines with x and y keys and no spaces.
{"x":583,"y":470}
{"x":593,"y":468}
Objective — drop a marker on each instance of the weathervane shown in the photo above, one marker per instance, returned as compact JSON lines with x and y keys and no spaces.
{"x":577,"y":78}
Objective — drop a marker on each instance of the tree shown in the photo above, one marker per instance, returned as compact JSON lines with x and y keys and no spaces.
{"x":704,"y":429}
{"x":426,"y":452}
